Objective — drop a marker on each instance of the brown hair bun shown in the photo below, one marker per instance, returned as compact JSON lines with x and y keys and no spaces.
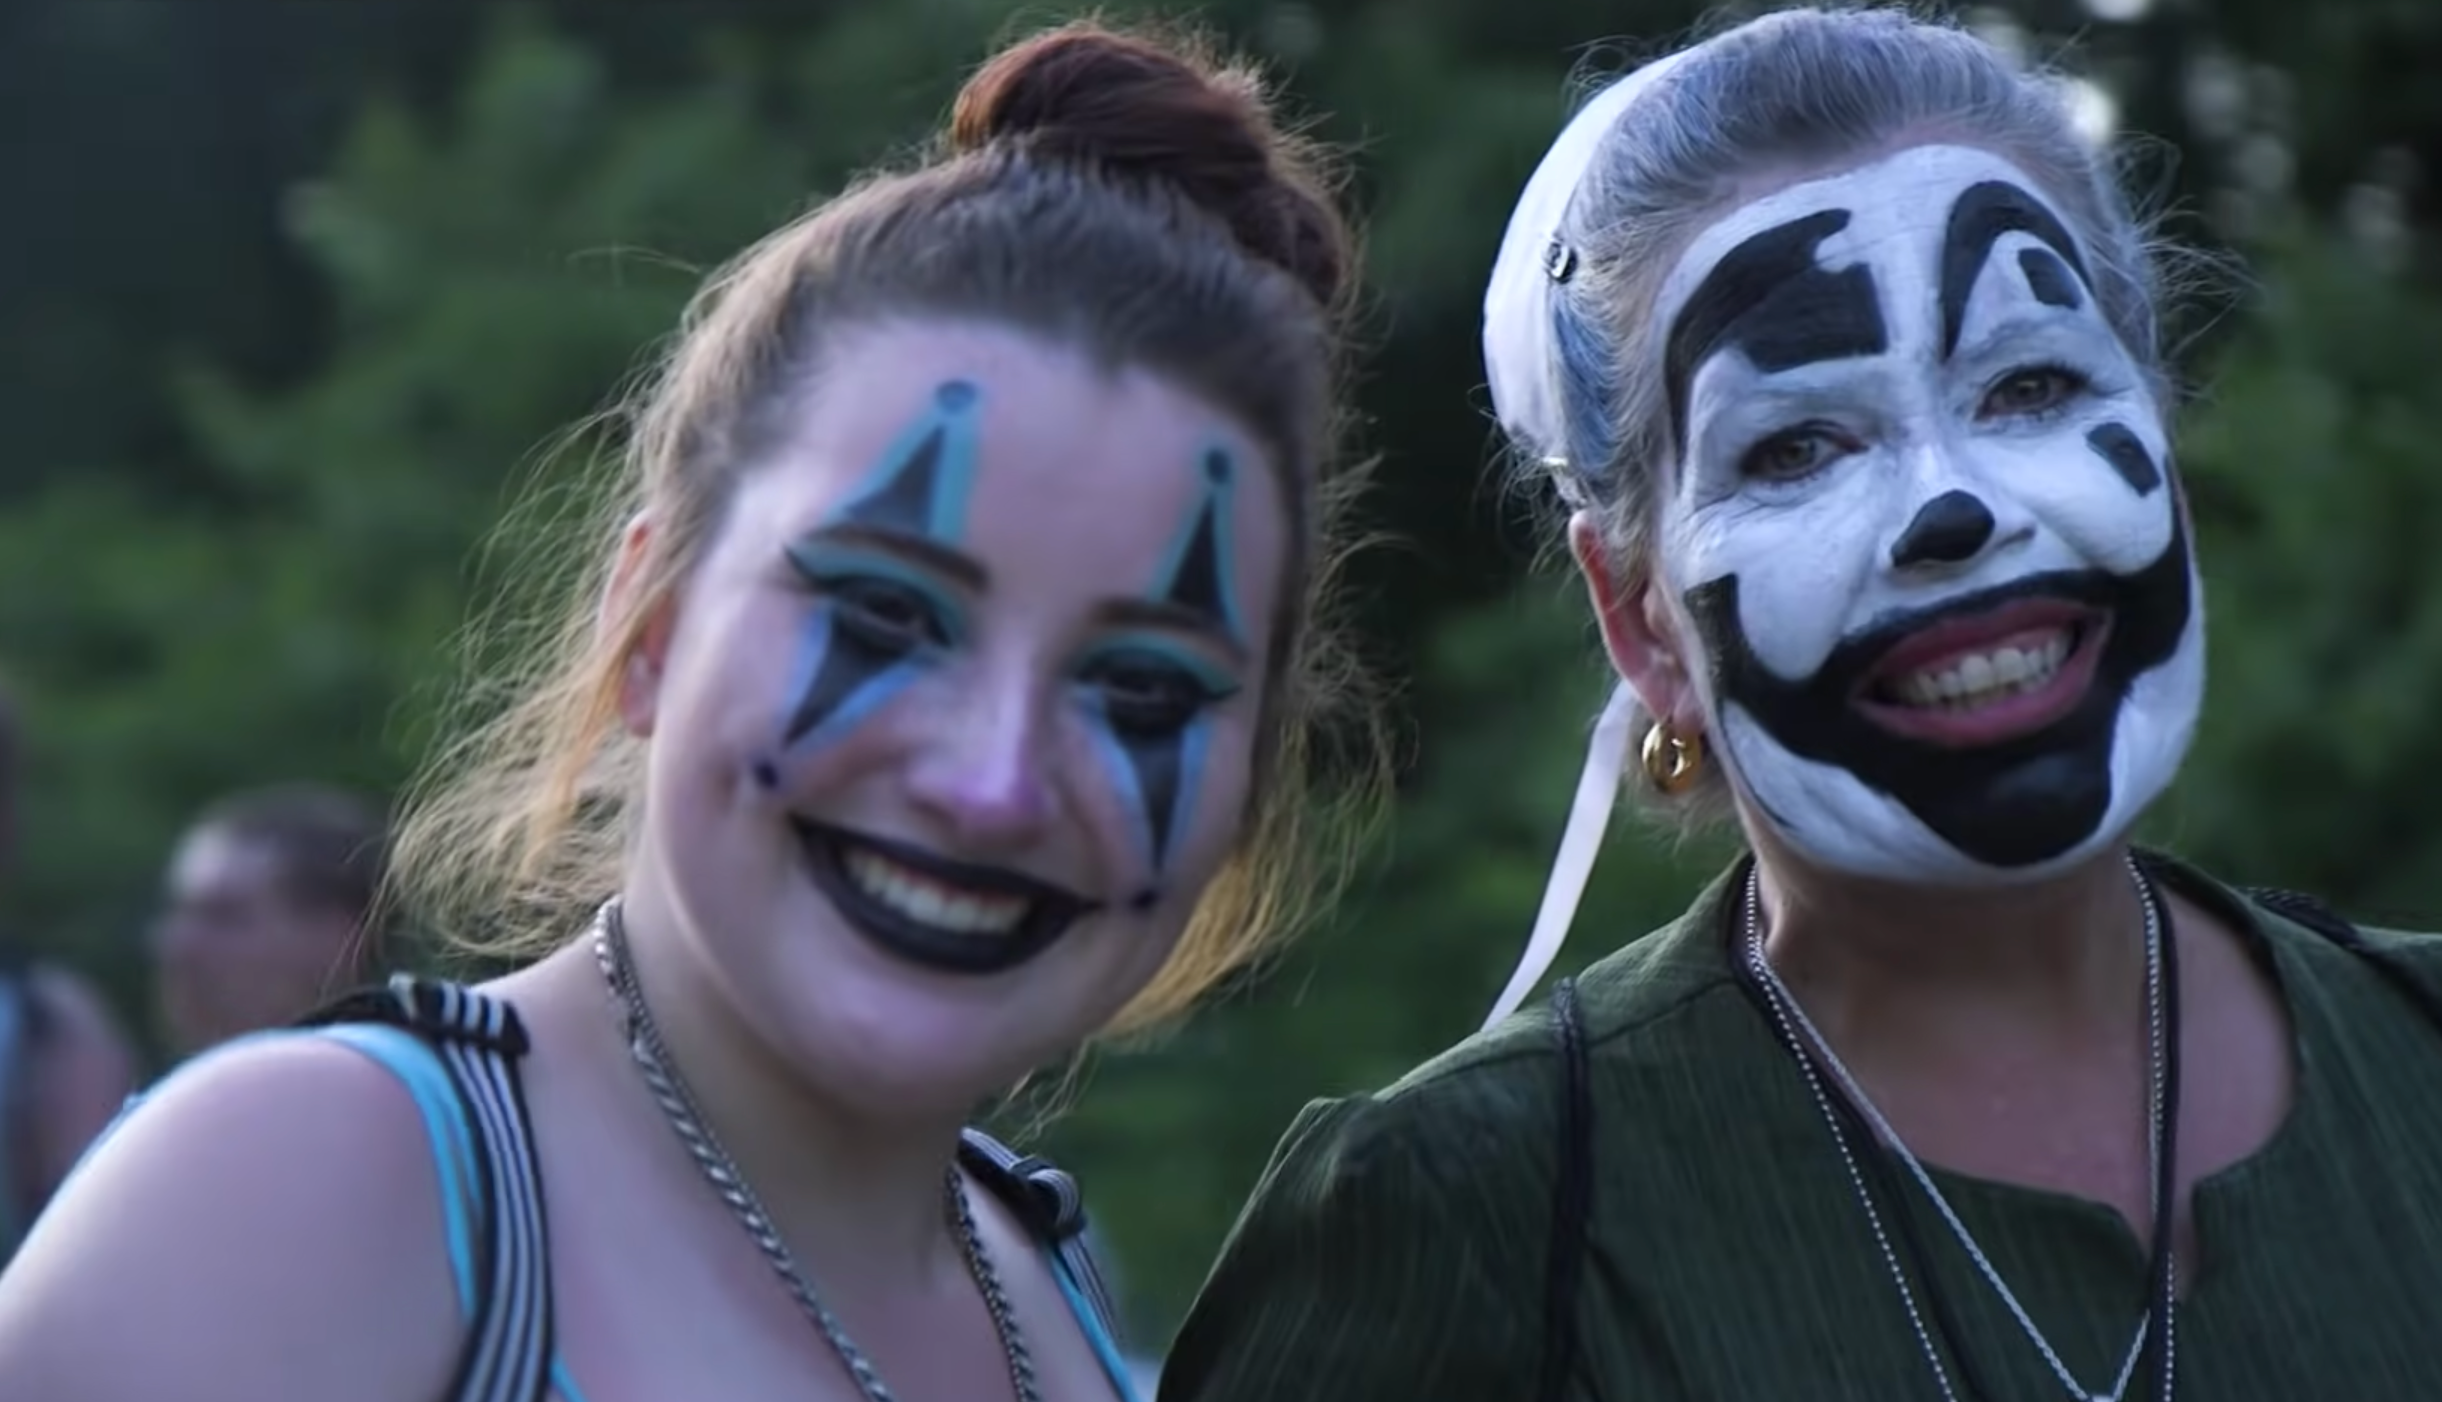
{"x":1131,"y":106}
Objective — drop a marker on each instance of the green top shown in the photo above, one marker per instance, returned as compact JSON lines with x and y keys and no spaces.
{"x":1395,"y":1248}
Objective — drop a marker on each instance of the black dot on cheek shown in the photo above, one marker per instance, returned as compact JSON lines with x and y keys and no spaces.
{"x":1145,"y":900}
{"x":767,"y":774}
{"x":1216,"y":467}
{"x":955,"y":395}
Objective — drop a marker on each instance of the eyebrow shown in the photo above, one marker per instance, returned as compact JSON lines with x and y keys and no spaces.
{"x":2045,"y":325}
{"x":1177,"y":618}
{"x":1126,"y":612}
{"x":923,"y":549}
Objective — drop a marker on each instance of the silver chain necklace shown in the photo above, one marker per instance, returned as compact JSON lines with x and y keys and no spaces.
{"x":678,"y":1106}
{"x":1799,"y":1031}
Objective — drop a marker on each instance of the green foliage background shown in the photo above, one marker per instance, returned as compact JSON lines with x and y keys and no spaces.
{"x":266,"y":410}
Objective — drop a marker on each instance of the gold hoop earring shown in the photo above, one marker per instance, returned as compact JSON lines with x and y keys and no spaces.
{"x":1672,"y":760}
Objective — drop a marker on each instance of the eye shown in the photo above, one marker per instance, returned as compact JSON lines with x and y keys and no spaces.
{"x":887,"y":615}
{"x":1796,"y":453}
{"x":1147,"y":695}
{"x":2035,"y":392}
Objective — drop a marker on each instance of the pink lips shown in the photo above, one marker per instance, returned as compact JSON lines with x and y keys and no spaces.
{"x":2001,"y":718}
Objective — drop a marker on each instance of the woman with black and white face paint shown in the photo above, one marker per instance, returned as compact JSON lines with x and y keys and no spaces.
{"x":1840,"y":347}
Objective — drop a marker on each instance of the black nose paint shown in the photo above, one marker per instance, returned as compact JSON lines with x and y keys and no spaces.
{"x":1951,"y":529}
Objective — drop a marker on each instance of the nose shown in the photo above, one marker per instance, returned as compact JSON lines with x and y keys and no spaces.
{"x":1951,"y":529}
{"x":987,"y":779}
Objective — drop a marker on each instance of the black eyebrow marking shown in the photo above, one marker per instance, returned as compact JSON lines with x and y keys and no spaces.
{"x":1982,"y":214}
{"x":2049,"y":279}
{"x":1772,"y":299}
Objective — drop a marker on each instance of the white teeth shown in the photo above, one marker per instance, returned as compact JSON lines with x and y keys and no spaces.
{"x":1963,"y":683}
{"x":928,"y":901}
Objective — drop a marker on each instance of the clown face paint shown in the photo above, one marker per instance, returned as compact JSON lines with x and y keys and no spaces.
{"x":883,"y":622}
{"x":1150,"y":699}
{"x":1950,"y":624}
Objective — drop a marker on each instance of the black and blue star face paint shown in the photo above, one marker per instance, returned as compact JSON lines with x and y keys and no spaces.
{"x":1148,"y":695}
{"x":881,"y":620}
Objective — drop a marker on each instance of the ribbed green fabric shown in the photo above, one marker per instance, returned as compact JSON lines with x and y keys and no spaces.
{"x":1395,"y":1249}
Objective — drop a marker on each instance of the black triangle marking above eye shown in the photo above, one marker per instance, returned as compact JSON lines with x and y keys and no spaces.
{"x":921,"y":485}
{"x":902,"y":500}
{"x":1197,"y":581}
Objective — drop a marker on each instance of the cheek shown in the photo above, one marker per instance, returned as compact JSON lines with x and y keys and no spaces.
{"x":2102,"y":486}
{"x":1801,"y":564}
{"x":1178,"y":795}
{"x":729,"y":689}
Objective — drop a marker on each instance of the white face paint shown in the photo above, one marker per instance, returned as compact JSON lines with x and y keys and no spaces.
{"x":1925,"y":525}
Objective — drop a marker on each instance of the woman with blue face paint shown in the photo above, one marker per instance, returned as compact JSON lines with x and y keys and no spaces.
{"x":935,"y":704}
{"x":1839,"y":345}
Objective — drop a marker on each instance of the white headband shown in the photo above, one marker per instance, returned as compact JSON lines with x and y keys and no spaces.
{"x":1520,"y":360}
{"x":1598,"y":793}
{"x":1522,"y":363}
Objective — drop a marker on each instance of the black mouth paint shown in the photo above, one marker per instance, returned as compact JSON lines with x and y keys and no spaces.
{"x":2049,"y":279}
{"x":1052,"y":910}
{"x":1951,"y":529}
{"x":1983,"y":213}
{"x":2015,"y":803}
{"x":2127,"y":456}
{"x":1769,"y":299}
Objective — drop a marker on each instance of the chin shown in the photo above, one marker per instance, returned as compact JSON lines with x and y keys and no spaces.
{"x":890,"y":1038}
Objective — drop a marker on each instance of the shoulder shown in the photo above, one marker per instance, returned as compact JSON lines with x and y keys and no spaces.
{"x":2298,"y":920}
{"x":265,"y":1222}
{"x":1641,"y":1008}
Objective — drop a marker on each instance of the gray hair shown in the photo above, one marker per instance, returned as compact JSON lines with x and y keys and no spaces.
{"x":1576,"y":374}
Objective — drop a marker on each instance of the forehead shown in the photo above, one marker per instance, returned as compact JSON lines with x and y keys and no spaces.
{"x":1080,"y":474}
{"x":1925,"y":220}
{"x":213,"y":860}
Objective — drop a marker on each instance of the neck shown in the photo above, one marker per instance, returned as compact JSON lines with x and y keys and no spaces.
{"x":855,"y":1191}
{"x":2060,"y":956}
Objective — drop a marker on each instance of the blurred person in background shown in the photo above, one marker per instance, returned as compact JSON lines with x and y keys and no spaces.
{"x":938,"y":703}
{"x":1840,"y":344}
{"x":66,"y":1066}
{"x":270,"y":909}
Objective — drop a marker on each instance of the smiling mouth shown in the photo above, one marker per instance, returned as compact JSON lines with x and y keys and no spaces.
{"x":952,"y":916}
{"x":1988,"y":676}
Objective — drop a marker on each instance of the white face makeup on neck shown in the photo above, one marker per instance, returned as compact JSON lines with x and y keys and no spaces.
{"x":1924,"y":526}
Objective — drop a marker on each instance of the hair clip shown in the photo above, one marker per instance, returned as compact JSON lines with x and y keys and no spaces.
{"x":1559,"y":260}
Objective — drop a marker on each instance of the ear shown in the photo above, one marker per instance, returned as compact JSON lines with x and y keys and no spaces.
{"x":1639,"y":630}
{"x":645,"y":641}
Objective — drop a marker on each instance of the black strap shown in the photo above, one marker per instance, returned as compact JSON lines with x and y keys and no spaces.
{"x":479,"y":1041}
{"x":507,"y":1357}
{"x":1572,"y":1198}
{"x":1052,"y":1207}
{"x":2299,"y":908}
